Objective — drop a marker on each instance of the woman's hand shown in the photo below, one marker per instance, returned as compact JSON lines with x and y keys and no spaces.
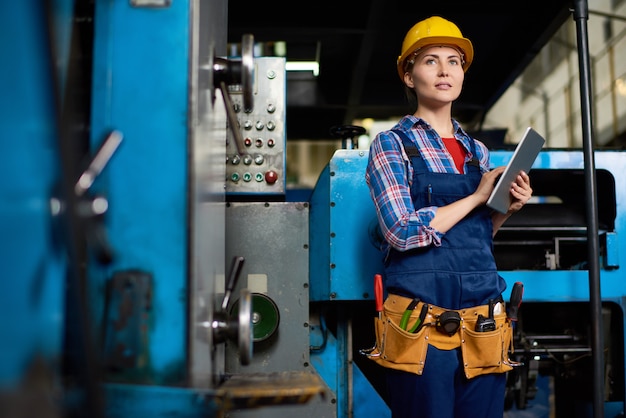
{"x":487,"y":183}
{"x":521,"y":192}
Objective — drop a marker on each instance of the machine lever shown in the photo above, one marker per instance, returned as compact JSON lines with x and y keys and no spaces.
{"x":232,"y":280}
{"x":232,"y":119}
{"x":98,"y":162}
{"x":239,"y":329}
{"x":91,"y":209}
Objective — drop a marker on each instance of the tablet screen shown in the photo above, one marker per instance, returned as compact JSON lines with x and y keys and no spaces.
{"x":522,"y":160}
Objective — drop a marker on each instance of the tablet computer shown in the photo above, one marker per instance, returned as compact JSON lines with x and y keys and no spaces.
{"x":522,"y":160}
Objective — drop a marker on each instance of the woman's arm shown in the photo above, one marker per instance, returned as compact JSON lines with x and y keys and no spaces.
{"x":402,"y":225}
{"x":449,"y":215}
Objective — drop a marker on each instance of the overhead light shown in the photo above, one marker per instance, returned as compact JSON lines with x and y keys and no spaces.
{"x":312,"y":66}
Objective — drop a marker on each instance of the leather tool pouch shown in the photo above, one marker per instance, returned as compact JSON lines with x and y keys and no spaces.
{"x":396,"y":348}
{"x":487,"y":352}
{"x":483,"y":352}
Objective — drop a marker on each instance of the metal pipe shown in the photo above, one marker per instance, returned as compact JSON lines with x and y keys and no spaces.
{"x":581,"y":15}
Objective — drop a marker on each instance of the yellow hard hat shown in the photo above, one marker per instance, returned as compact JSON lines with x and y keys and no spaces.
{"x":434,"y":31}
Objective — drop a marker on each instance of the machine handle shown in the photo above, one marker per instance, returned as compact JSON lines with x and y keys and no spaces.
{"x":98,"y":162}
{"x":245,"y":328}
{"x":516,"y":300}
{"x":232,"y":280}
{"x":237,"y":72}
{"x":247,"y":71}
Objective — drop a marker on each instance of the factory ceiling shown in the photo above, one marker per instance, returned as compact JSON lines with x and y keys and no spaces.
{"x":357,"y":43}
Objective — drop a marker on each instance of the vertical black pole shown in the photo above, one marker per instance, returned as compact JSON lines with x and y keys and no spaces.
{"x":581,"y":15}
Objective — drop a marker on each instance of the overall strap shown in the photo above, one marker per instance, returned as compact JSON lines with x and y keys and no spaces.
{"x":414,"y":155}
{"x":411,"y":150}
{"x":473,"y":164}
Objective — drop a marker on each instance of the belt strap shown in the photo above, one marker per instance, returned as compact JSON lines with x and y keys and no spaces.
{"x":397,"y":304}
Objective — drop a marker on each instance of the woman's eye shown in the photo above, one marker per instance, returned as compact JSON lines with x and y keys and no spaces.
{"x":455,"y":62}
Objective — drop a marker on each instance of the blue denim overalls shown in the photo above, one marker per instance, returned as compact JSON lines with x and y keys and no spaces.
{"x":460,"y":273}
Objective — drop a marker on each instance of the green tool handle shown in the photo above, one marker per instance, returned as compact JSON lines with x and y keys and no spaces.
{"x":404,"y":321}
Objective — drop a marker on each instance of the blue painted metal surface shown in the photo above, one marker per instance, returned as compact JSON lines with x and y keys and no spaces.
{"x":32,"y":253}
{"x":342,"y":218}
{"x":155,"y":402}
{"x":140,"y":87}
{"x":330,"y":363}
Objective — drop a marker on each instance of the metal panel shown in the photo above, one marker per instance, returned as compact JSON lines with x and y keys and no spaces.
{"x":140,"y":87}
{"x":32,"y":292}
{"x":350,"y":233}
{"x":262,"y":167}
{"x":273,"y":239}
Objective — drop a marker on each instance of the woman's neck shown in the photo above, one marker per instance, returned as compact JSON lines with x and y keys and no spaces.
{"x":440,"y":122}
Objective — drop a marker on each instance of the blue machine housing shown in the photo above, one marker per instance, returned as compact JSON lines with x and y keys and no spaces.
{"x":344,"y":257}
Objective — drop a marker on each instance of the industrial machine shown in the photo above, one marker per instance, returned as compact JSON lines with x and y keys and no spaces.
{"x":158,"y":265}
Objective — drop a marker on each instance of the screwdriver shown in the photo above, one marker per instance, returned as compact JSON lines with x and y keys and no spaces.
{"x":378,"y":293}
{"x":512,"y":308}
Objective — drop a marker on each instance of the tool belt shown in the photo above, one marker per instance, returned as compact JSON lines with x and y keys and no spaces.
{"x":483,"y":352}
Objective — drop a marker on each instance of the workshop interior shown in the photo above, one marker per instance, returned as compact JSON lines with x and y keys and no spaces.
{"x":158,"y":261}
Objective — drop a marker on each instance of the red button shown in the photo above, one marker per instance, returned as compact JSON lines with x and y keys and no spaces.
{"x":271,"y":177}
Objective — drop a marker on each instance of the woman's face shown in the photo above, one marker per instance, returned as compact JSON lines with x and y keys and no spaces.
{"x":437,"y":75}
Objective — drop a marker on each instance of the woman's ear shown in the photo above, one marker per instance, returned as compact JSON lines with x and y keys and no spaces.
{"x":408,"y":80}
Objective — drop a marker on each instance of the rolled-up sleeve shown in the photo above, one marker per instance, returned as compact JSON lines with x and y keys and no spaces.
{"x":403,"y":226}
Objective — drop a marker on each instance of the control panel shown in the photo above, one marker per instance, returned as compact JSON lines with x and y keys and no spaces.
{"x":258,"y":165}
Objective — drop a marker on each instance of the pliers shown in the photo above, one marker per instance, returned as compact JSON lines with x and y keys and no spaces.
{"x":420,"y":321}
{"x":404,"y":321}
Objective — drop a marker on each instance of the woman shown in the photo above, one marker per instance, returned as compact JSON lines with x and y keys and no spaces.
{"x":429,"y":181}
